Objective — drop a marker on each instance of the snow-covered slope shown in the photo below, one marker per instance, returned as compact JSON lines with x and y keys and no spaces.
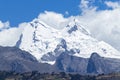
{"x":46,"y":43}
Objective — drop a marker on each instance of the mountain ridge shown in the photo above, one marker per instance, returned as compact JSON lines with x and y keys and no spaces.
{"x":46,"y":43}
{"x":14,"y":59}
{"x":41,"y":40}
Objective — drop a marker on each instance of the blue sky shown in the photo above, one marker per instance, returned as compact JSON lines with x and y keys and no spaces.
{"x":18,"y":11}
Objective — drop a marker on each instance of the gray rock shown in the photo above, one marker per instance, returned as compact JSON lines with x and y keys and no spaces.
{"x":97,"y":64}
{"x":14,"y":59}
{"x":70,"y":63}
{"x":94,"y":65}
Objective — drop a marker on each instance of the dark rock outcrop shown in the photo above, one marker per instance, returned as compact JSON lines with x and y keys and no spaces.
{"x":14,"y":59}
{"x":98,"y":64}
{"x":70,"y":63}
{"x":93,"y":65}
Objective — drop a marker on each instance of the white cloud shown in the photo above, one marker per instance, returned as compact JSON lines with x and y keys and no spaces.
{"x":4,"y":25}
{"x":52,"y":19}
{"x":9,"y":37}
{"x":66,"y":12}
{"x":1,"y":25}
{"x":104,"y":24}
{"x":112,"y":4}
{"x":86,"y":5}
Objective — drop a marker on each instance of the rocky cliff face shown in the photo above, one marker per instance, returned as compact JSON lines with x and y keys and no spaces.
{"x":93,"y":65}
{"x":70,"y":63}
{"x":98,"y":64}
{"x":14,"y":59}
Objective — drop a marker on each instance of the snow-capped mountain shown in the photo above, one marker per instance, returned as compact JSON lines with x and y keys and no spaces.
{"x":46,"y":43}
{"x":71,"y":49}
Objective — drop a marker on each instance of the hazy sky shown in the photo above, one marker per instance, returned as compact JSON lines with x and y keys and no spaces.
{"x":101,"y":17}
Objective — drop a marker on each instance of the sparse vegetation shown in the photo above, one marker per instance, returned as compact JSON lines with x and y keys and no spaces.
{"x":55,"y":76}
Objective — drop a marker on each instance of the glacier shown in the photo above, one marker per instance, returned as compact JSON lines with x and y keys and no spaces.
{"x":46,"y":43}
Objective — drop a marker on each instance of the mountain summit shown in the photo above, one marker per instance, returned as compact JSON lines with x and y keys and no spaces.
{"x":47,"y":43}
{"x":71,"y":49}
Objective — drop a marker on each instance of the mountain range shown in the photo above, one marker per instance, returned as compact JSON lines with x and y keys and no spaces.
{"x":46,"y":49}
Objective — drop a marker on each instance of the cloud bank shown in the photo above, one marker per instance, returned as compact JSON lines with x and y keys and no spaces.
{"x":103,"y":24}
{"x":53,"y":19}
{"x":4,"y":25}
{"x":10,"y":35}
